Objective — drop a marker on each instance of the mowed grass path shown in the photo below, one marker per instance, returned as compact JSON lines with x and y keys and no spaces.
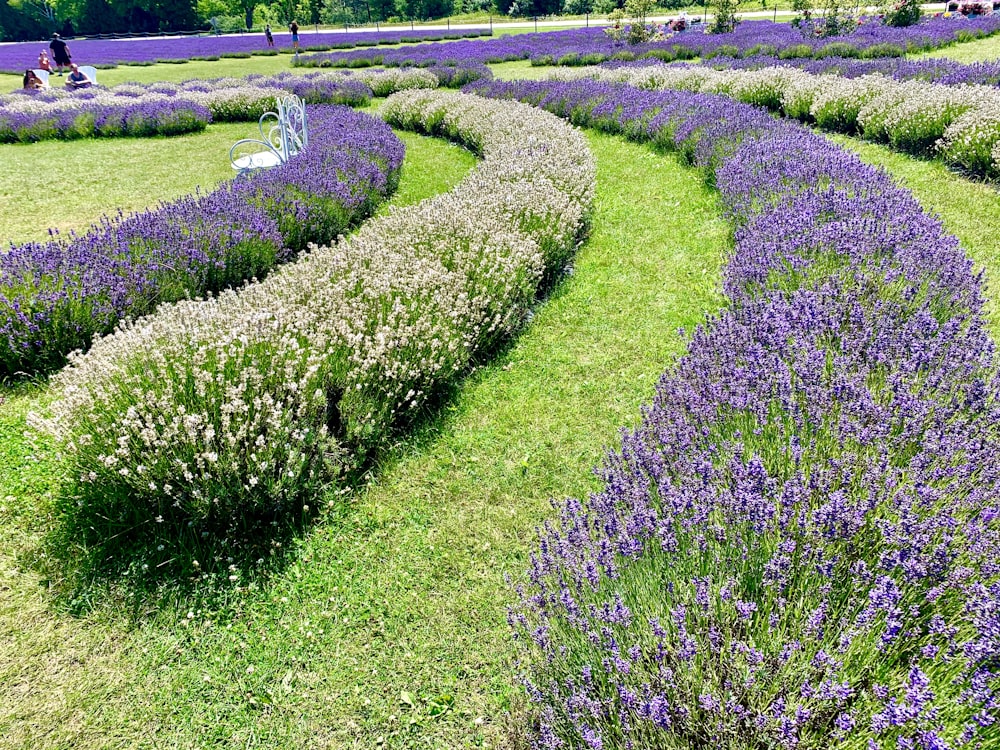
{"x":389,"y":622}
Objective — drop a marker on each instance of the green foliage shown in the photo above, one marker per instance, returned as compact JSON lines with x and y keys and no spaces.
{"x":725,"y":19}
{"x":902,"y":13}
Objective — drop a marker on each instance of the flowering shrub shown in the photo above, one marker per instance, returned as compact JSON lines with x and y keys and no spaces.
{"x":26,"y":118}
{"x":935,"y":70}
{"x":903,"y":13}
{"x":56,"y":296}
{"x":961,"y":124}
{"x":797,"y":548}
{"x":213,"y":415}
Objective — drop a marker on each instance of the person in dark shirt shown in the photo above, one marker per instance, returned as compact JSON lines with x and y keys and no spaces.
{"x":268,"y":35}
{"x":294,"y":28}
{"x":60,"y":53}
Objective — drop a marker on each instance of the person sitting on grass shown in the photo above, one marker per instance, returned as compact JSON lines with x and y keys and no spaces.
{"x":43,"y":62}
{"x":32,"y":82}
{"x":77,"y":79}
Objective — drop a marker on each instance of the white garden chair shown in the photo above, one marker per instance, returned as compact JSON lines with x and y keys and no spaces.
{"x":283,"y":134}
{"x":90,"y":71}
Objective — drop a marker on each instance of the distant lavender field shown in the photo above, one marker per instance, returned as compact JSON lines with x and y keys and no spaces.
{"x":15,"y":58}
{"x":592,"y":46}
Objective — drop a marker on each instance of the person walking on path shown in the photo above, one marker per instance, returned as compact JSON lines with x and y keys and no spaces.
{"x":294,"y":28}
{"x":268,"y":35}
{"x":60,"y":53}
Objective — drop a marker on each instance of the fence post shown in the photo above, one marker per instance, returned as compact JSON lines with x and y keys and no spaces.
{"x":588,"y":20}
{"x":536,"y":23}
{"x":449,"y":23}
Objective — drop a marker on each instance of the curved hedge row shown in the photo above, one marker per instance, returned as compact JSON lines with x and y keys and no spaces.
{"x":941,"y":70}
{"x":139,"y":110}
{"x":56,"y":296}
{"x":798,"y":547}
{"x":212,"y":416}
{"x":959,"y":124}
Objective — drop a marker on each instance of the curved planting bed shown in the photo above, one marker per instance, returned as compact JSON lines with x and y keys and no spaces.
{"x":133,"y":109}
{"x":959,"y":124}
{"x":217,"y":417}
{"x":935,"y":70}
{"x":164,"y":108}
{"x":56,"y":296}
{"x":798,"y":546}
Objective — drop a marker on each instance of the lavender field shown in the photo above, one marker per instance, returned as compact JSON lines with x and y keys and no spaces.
{"x":617,"y":410}
{"x":592,"y":45}
{"x":14,"y":58}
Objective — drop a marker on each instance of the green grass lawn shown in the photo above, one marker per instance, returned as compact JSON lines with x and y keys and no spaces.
{"x":65,"y":184}
{"x":969,"y":52}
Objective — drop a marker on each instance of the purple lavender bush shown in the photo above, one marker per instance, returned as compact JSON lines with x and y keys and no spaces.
{"x":138,"y":110}
{"x":56,"y":296}
{"x":27,"y":118}
{"x":798,"y":546}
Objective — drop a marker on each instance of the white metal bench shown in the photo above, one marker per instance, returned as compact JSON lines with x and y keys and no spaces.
{"x":283,"y":134}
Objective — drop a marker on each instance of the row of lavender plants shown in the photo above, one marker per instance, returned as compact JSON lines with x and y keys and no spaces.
{"x":592,"y":46}
{"x":210,"y":415}
{"x":959,"y":124}
{"x":798,"y":546}
{"x":109,"y":53}
{"x":168,"y":109}
{"x":935,"y":70}
{"x":56,"y":296}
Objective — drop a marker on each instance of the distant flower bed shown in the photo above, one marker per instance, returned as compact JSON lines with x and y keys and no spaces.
{"x":14,"y":58}
{"x":56,"y":296}
{"x":162,"y":108}
{"x":237,"y":410}
{"x":960,"y":124}
{"x":170,"y":109}
{"x":66,"y":115}
{"x":933,"y":70}
{"x":592,"y":46}
{"x":797,"y":547}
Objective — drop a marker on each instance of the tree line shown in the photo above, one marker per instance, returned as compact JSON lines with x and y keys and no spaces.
{"x":37,"y":19}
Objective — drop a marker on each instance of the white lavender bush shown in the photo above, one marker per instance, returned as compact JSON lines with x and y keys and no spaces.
{"x":212,"y":415}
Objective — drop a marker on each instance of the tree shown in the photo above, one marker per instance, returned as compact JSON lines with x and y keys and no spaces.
{"x":725,"y":19}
